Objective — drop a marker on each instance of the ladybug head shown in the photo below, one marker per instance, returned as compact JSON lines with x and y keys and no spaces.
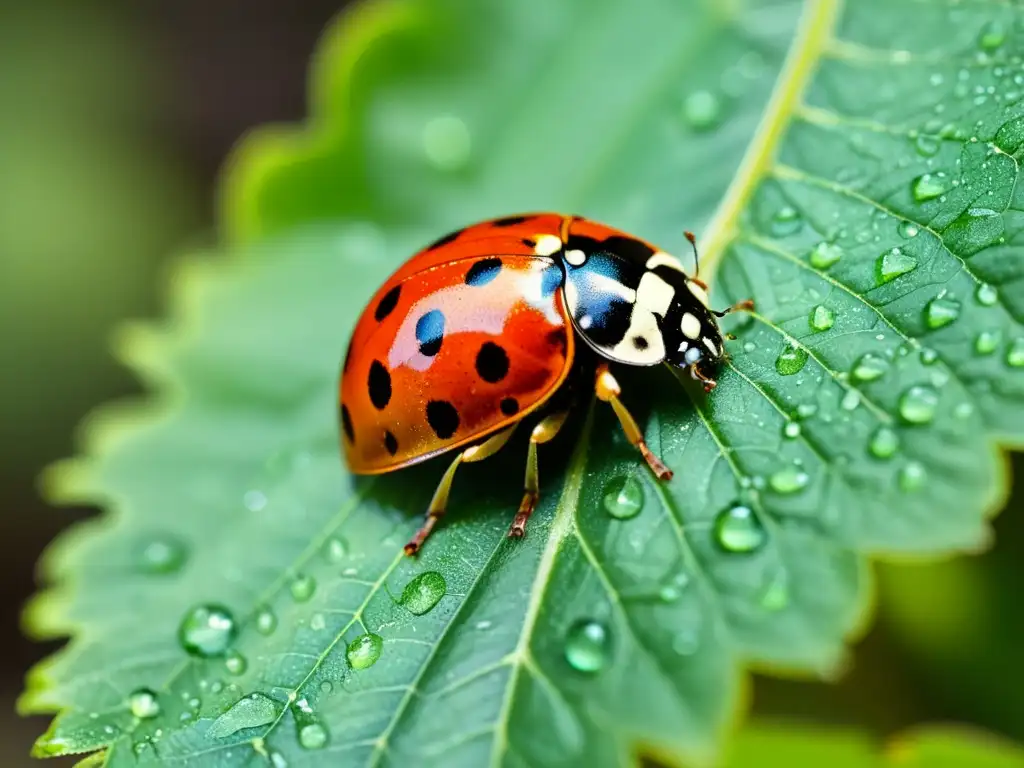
{"x":693,"y":340}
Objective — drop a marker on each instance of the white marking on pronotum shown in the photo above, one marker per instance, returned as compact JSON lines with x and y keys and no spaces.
{"x":586,"y":321}
{"x":711,"y":346}
{"x":690,"y":326}
{"x":662,"y":259}
{"x":547,"y":245}
{"x":575,"y":257}
{"x":700,"y":293}
{"x":654,"y":294}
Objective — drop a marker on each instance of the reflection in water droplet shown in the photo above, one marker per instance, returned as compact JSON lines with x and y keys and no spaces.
{"x":702,"y":110}
{"x":302,"y":588}
{"x":791,"y":360}
{"x":163,"y":555}
{"x":892,"y":264}
{"x":912,"y":476}
{"x":251,"y":711}
{"x":207,"y":630}
{"x":786,"y":221}
{"x":266,"y":621}
{"x":788,"y":480}
{"x":144,"y":704}
{"x":364,"y":651}
{"x":992,"y":36}
{"x":423,"y":592}
{"x":941,"y":311}
{"x":587,"y":646}
{"x":908,"y":229}
{"x":1015,"y":353}
{"x":917,"y":405}
{"x":824,"y":255}
{"x":623,"y":497}
{"x":884,"y":443}
{"x":791,"y":430}
{"x":929,"y":186}
{"x":869,"y":367}
{"x":335,"y":549}
{"x":447,"y":143}
{"x":821,"y":318}
{"x":987,"y":342}
{"x":986,"y":295}
{"x":235,"y":663}
{"x":737,"y":529}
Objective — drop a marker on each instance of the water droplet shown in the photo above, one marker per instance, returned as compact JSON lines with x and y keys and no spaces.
{"x":144,"y":704}
{"x":1015,"y":353}
{"x":302,"y":588}
{"x":482,"y":625}
{"x":986,"y":295}
{"x":423,"y":592}
{"x":250,"y":711}
{"x":672,"y":591}
{"x":929,"y":356}
{"x":335,"y":549}
{"x":912,"y":476}
{"x":869,"y":367}
{"x":892,"y":264}
{"x":266,"y":621}
{"x":806,"y":410}
{"x":791,"y":360}
{"x":277,"y":760}
{"x":141,"y":748}
{"x":821,"y":318}
{"x":884,"y":443}
{"x":623,"y":497}
{"x":587,"y":646}
{"x":791,"y":430}
{"x":327,"y":687}
{"x":313,"y":736}
{"x":824,"y":255}
{"x":788,"y":480}
{"x":447,"y":142}
{"x":776,"y":595}
{"x":318,"y":622}
{"x":163,"y":555}
{"x":927,"y":146}
{"x":850,"y":400}
{"x":786,"y":221}
{"x":908,"y":229}
{"x":235,"y":663}
{"x":686,"y":643}
{"x":992,"y":36}
{"x":254,"y":501}
{"x":207,"y":630}
{"x":917,"y":405}
{"x":702,"y":110}
{"x":929,"y":186}
{"x":364,"y":651}
{"x":987,"y":342}
{"x":737,"y":529}
{"x":941,"y":311}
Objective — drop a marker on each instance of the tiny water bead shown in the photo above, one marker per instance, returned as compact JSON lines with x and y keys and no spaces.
{"x":313,"y":736}
{"x":791,"y":360}
{"x":912,"y":476}
{"x":587,"y":646}
{"x":447,"y":142}
{"x":821,"y":318}
{"x":302,"y":588}
{"x":927,"y":145}
{"x":786,"y":221}
{"x":250,"y":711}
{"x":791,"y":430}
{"x":929,"y":186}
{"x":423,"y":592}
{"x":892,"y":264}
{"x":870,"y":367}
{"x":235,"y":663}
{"x":884,"y":443}
{"x":987,"y":342}
{"x":1015,"y":353}
{"x":986,"y":295}
{"x":364,"y":651}
{"x":623,"y":497}
{"x":737,"y":529}
{"x":163,"y":555}
{"x":702,"y":110}
{"x":918,"y":403}
{"x":335,"y":550}
{"x":824,"y":255}
{"x":266,"y":621}
{"x":672,"y":591}
{"x":207,"y":630}
{"x":144,"y":704}
{"x":318,"y":622}
{"x":941,"y":311}
{"x":788,"y":480}
{"x":908,"y":229}
{"x":992,"y":36}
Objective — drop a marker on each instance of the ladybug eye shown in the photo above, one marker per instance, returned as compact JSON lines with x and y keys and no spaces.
{"x":693,"y":355}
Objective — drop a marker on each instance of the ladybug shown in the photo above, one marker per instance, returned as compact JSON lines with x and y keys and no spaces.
{"x":483,"y":328}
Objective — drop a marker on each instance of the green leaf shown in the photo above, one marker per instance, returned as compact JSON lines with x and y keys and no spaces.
{"x":854,"y":418}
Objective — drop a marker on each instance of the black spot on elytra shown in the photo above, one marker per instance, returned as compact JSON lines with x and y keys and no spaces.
{"x":492,"y":362}
{"x":550,"y":280}
{"x":346,"y":424}
{"x":611,"y":326}
{"x":379,"y":384}
{"x":430,"y":332}
{"x":390,"y":443}
{"x":442,"y":418}
{"x":509,"y":406}
{"x":483,"y":271}
{"x":387,"y":303}
{"x":442,"y":241}
{"x":640,"y":343}
{"x":509,"y":221}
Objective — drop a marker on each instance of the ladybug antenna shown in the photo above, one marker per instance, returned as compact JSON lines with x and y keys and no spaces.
{"x":696,"y":259}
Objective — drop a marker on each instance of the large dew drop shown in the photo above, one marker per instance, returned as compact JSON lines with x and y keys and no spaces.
{"x":788,"y":480}
{"x":702,"y":110}
{"x":786,"y":221}
{"x":821,"y":318}
{"x":364,"y":651}
{"x":737,"y":529}
{"x":144,"y":704}
{"x":869,"y":367}
{"x":912,"y":476}
{"x":892,"y":264}
{"x":917,"y":405}
{"x":163,"y":555}
{"x":302,"y":588}
{"x":941,"y":311}
{"x":423,"y":592}
{"x":884,"y":443}
{"x":207,"y":630}
{"x":587,"y":646}
{"x":1015,"y":354}
{"x":824,"y":255}
{"x":251,"y":711}
{"x":266,"y":621}
{"x":623,"y":497}
{"x":987,"y":342}
{"x":791,"y":360}
{"x":929,"y":186}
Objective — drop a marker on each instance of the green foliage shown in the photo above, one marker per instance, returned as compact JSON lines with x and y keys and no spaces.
{"x":856,"y":416}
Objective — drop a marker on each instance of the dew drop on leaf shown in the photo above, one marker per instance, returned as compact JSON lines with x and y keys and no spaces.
{"x":791,"y":430}
{"x":986,"y":295}
{"x":884,"y":443}
{"x":250,"y":711}
{"x":1015,"y":353}
{"x":786,"y":221}
{"x":144,"y":704}
{"x":987,"y":342}
{"x":941,"y":311}
{"x":313,"y":736}
{"x":917,"y":405}
{"x":892,"y":264}
{"x":791,"y":360}
{"x":912,"y":476}
{"x":163,"y":555}
{"x":364,"y":651}
{"x":587,"y":646}
{"x":992,"y":36}
{"x":821,"y":318}
{"x":788,"y":480}
{"x":447,"y":142}
{"x":302,"y":588}
{"x":850,"y":400}
{"x":929,"y":186}
{"x":266,"y":621}
{"x":672,"y":591}
{"x":908,"y":229}
{"x":335,"y":549}
{"x":235,"y":663}
{"x":869,"y":367}
{"x":318,"y":622}
{"x":737,"y":529}
{"x":423,"y":592}
{"x":277,"y":760}
{"x":207,"y":630}
{"x":824,"y":255}
{"x":702,"y":110}
{"x":929,"y":356}
{"x":623,"y":497}
{"x":927,"y":146}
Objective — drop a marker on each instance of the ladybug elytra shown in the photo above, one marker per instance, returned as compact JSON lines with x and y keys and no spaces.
{"x":482,"y":329}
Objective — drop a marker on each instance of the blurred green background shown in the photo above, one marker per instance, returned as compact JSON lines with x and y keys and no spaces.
{"x":114,"y":119}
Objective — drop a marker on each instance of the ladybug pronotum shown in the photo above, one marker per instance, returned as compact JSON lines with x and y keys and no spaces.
{"x":482,"y":329}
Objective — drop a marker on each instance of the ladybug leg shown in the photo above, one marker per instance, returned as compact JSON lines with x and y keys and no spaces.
{"x":542,"y":433}
{"x":608,"y":389}
{"x":439,"y":503}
